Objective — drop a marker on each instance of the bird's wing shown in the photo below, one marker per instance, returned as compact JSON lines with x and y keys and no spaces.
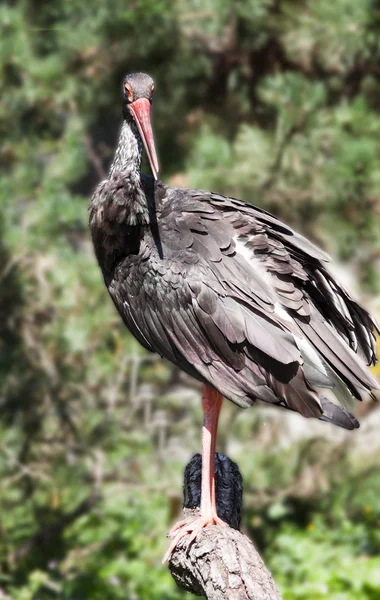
{"x":248,"y":305}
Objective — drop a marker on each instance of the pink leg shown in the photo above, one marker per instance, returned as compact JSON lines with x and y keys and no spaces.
{"x":211,"y":403}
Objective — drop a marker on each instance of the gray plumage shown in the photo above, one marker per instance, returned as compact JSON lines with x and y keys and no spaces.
{"x":230,"y":294}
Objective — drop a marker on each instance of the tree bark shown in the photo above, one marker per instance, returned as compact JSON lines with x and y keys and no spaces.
{"x":221,"y":563}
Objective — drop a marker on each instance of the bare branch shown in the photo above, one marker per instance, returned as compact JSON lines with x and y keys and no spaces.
{"x":222,"y":562}
{"x":94,"y":158}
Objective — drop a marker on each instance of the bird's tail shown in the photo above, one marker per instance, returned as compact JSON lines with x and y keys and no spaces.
{"x":332,"y":413}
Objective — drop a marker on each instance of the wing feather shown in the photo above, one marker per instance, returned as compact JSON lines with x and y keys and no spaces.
{"x":239,"y":300}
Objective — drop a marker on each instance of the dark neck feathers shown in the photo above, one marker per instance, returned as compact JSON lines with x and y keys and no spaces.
{"x":129,"y":150}
{"x":123,"y":196}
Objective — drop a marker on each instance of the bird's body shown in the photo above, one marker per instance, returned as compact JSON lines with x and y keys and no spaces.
{"x":232,"y":296}
{"x":226,"y":291}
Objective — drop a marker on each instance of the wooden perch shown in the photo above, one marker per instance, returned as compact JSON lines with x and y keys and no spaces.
{"x":221,"y":563}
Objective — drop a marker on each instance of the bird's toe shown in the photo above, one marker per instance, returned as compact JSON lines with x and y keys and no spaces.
{"x":193,"y":527}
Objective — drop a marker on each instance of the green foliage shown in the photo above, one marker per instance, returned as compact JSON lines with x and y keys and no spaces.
{"x":316,"y":564}
{"x":275,"y":102}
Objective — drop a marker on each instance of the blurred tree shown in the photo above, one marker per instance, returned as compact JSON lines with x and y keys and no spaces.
{"x":275,"y":101}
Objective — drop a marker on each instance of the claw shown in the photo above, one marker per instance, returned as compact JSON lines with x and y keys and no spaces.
{"x":192,"y":526}
{"x":181,"y":524}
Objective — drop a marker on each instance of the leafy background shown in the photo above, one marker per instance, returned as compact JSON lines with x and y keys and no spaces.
{"x":273,"y":101}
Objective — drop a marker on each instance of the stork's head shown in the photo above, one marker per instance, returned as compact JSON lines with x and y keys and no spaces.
{"x":138,"y":90}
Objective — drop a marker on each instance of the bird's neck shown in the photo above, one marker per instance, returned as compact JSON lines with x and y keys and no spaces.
{"x":124,"y":178}
{"x":128,"y":152}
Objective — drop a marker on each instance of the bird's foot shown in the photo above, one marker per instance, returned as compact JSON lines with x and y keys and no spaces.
{"x":193,"y":526}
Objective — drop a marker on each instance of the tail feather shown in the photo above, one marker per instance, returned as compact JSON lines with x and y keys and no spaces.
{"x":338,"y":415}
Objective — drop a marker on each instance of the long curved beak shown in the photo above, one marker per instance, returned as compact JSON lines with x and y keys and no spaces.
{"x":140,"y":110}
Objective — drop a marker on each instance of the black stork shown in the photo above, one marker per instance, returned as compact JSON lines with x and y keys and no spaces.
{"x":226,"y":292}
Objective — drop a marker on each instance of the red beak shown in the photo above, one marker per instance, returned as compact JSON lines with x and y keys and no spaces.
{"x":140,"y":110}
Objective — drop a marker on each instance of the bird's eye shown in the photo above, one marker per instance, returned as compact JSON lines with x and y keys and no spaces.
{"x":128,"y":92}
{"x":153,"y":88}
